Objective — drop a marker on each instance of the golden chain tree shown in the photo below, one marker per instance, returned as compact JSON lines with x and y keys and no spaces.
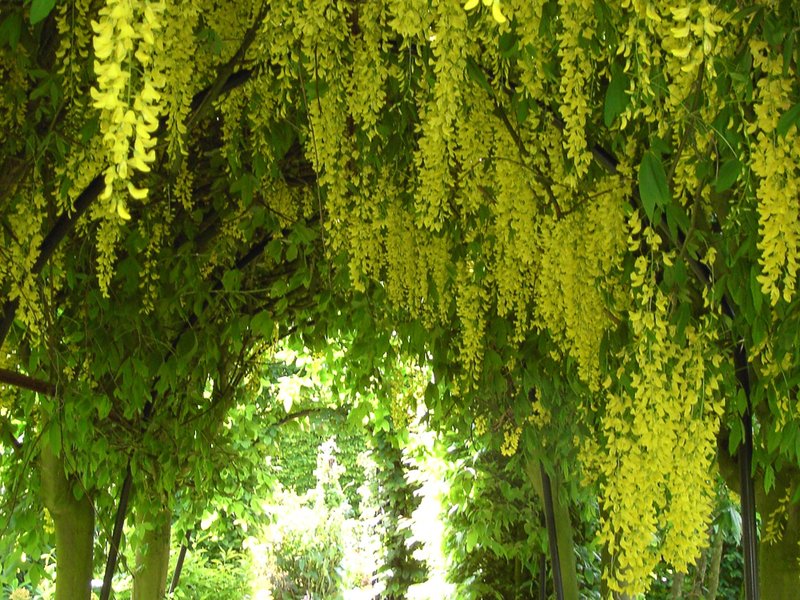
{"x":605,"y":187}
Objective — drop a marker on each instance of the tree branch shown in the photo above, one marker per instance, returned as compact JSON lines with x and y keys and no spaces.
{"x":203,"y":101}
{"x":26,"y":382}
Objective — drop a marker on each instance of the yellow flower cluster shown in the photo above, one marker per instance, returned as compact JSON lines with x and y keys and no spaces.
{"x":580,"y":254}
{"x":13,"y":76}
{"x":409,"y":17}
{"x":694,"y":32}
{"x":328,"y":148}
{"x":480,"y":425}
{"x":150,"y":273}
{"x":182,"y":189}
{"x":775,"y":523}
{"x":20,"y":594}
{"x":366,"y":90}
{"x":401,"y":408}
{"x":435,"y":254}
{"x":540,"y":414}
{"x":639,"y":21}
{"x":471,"y":306}
{"x":8,"y":394}
{"x":670,"y":40}
{"x":125,"y":36}
{"x":73,"y":44}
{"x":439,"y":115}
{"x":404,"y":382}
{"x":108,"y":235}
{"x":775,"y":159}
{"x":511,"y":435}
{"x":577,"y":17}
{"x":661,"y":420}
{"x":497,"y":13}
{"x":182,"y":68}
{"x":21,"y":253}
{"x":406,"y":276}
{"x":531,"y":65}
{"x":515,"y":260}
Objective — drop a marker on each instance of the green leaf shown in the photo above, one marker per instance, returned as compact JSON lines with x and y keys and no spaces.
{"x":653,"y":188}
{"x":40,"y":9}
{"x":745,"y":12}
{"x":521,"y":107}
{"x":508,"y":45}
{"x":10,"y":30}
{"x":676,"y":217}
{"x":303,"y":234}
{"x":735,"y":439}
{"x":186,"y":345}
{"x":431,"y":394}
{"x":245,"y":186}
{"x":797,"y":448}
{"x":769,"y":478}
{"x":758,"y":331}
{"x":789,"y":118}
{"x":316,"y":88}
{"x":788,"y":49}
{"x":728,"y":174}
{"x":683,"y":316}
{"x":796,"y":495}
{"x":478,"y":76}
{"x":472,"y":539}
{"x":755,"y":288}
{"x":231,"y":280}
{"x":263,"y":324}
{"x":736,"y":523}
{"x":274,"y":250}
{"x":103,"y":405}
{"x":279,"y":288}
{"x":773,"y":440}
{"x":616,"y":96}
{"x":54,"y":436}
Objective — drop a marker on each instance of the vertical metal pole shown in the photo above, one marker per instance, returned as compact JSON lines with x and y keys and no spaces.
{"x":179,"y":564}
{"x":116,"y":536}
{"x":549,"y":514}
{"x":749,"y":534}
{"x":543,"y":577}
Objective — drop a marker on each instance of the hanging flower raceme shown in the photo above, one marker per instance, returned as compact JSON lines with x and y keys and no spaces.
{"x":495,"y":4}
{"x":126,"y":94}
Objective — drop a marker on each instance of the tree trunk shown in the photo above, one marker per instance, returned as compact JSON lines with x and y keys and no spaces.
{"x":779,"y":562}
{"x":716,"y":561}
{"x":677,"y":586}
{"x":699,"y":576}
{"x":74,"y":527}
{"x":565,"y":541}
{"x":152,"y":559}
